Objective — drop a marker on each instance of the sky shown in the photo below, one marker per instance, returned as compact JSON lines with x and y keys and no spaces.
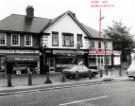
{"x":123,"y":11}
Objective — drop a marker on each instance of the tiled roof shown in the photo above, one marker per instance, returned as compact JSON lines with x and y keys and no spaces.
{"x":23,"y":23}
{"x":94,"y":33}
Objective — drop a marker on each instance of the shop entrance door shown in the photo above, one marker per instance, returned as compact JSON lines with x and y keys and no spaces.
{"x":100,"y":62}
{"x":52,"y":64}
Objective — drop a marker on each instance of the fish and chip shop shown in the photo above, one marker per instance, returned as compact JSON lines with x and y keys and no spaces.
{"x":18,"y":61}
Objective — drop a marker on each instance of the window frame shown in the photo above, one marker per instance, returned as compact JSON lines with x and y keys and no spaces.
{"x":92,"y":43}
{"x":71,"y":35}
{"x":5,"y":36}
{"x":99,"y":45}
{"x":12,"y":40}
{"x":106,"y":44}
{"x":25,"y":41}
{"x":55,"y":33}
{"x":78,"y":42}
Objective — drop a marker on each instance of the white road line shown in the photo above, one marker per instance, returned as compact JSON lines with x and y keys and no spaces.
{"x":78,"y":101}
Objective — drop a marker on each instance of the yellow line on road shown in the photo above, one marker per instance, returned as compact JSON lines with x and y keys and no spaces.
{"x":78,"y":101}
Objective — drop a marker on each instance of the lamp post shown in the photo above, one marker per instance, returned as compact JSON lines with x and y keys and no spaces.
{"x":100,"y":32}
{"x":77,"y":53}
{"x":45,"y":66}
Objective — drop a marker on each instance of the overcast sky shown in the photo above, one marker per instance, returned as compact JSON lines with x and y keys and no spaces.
{"x":123,"y":10}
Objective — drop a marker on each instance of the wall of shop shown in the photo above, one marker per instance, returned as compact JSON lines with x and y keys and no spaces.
{"x":64,"y":25}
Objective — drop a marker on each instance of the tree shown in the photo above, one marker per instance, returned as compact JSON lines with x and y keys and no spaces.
{"x":121,"y":37}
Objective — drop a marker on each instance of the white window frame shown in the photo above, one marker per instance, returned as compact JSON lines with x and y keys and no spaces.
{"x":25,"y":41}
{"x":100,"y":42}
{"x":80,"y":41}
{"x":55,"y":35}
{"x":18,"y":40}
{"x":106,"y":45}
{"x":92,"y":44}
{"x":5,"y":39}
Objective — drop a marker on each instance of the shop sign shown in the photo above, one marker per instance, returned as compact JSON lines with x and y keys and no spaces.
{"x":68,"y":52}
{"x":22,"y":58}
{"x":116,"y":52}
{"x":19,"y":51}
{"x":48,"y":51}
{"x":101,"y":52}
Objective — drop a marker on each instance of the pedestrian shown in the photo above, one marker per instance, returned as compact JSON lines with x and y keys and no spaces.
{"x":28,"y":70}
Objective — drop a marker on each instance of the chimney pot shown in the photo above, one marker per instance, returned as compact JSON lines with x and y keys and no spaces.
{"x":30,"y":11}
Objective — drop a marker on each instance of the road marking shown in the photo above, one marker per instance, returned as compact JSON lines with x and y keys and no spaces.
{"x":78,"y":101}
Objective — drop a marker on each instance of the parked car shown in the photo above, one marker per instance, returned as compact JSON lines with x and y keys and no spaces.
{"x":131,"y":72}
{"x":71,"y":70}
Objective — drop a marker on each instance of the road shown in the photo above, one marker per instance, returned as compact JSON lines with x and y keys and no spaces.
{"x":120,"y":93}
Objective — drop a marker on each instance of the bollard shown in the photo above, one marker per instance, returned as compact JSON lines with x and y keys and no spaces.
{"x":120,"y":72}
{"x":77,"y":75}
{"x":9,"y":80}
{"x":90,"y":74}
{"x":48,"y":81}
{"x":101,"y":73}
{"x":106,"y":70}
{"x":63,"y":77}
{"x":29,"y":78}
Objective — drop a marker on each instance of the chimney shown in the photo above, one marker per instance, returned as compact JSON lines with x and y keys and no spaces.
{"x":30,"y":11}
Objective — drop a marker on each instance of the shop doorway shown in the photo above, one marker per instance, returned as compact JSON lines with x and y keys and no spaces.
{"x":51,"y":62}
{"x":100,"y":61}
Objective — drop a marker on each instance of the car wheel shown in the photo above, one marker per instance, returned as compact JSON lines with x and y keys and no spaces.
{"x":68,"y":76}
{"x":134,"y":78}
{"x":77,"y":75}
{"x":93,"y":74}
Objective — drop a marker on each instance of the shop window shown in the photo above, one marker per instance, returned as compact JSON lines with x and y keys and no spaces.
{"x":2,"y":63}
{"x":2,"y":39}
{"x":28,"y":40}
{"x":79,"y":39}
{"x":62,"y":63}
{"x":15,"y":40}
{"x":68,"y":39}
{"x":92,"y":60}
{"x":107,"y":60}
{"x":55,"y":39}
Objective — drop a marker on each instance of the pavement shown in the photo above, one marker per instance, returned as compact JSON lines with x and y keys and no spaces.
{"x":20,"y":83}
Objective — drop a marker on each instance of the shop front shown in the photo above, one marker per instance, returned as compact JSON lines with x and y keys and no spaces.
{"x":100,"y":58}
{"x":60,"y":59}
{"x":18,"y":61}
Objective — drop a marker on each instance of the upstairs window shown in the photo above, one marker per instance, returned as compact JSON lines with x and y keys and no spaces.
{"x":79,"y":39}
{"x":55,"y":39}
{"x":99,"y":44}
{"x":68,"y":39}
{"x":2,"y":39}
{"x":92,"y":44}
{"x":106,"y":45}
{"x":15,"y":40}
{"x":28,"y":40}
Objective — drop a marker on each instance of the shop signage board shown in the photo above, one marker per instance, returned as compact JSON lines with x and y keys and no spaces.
{"x":19,"y":51}
{"x":22,"y":58}
{"x":101,"y":52}
{"x":68,"y":52}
